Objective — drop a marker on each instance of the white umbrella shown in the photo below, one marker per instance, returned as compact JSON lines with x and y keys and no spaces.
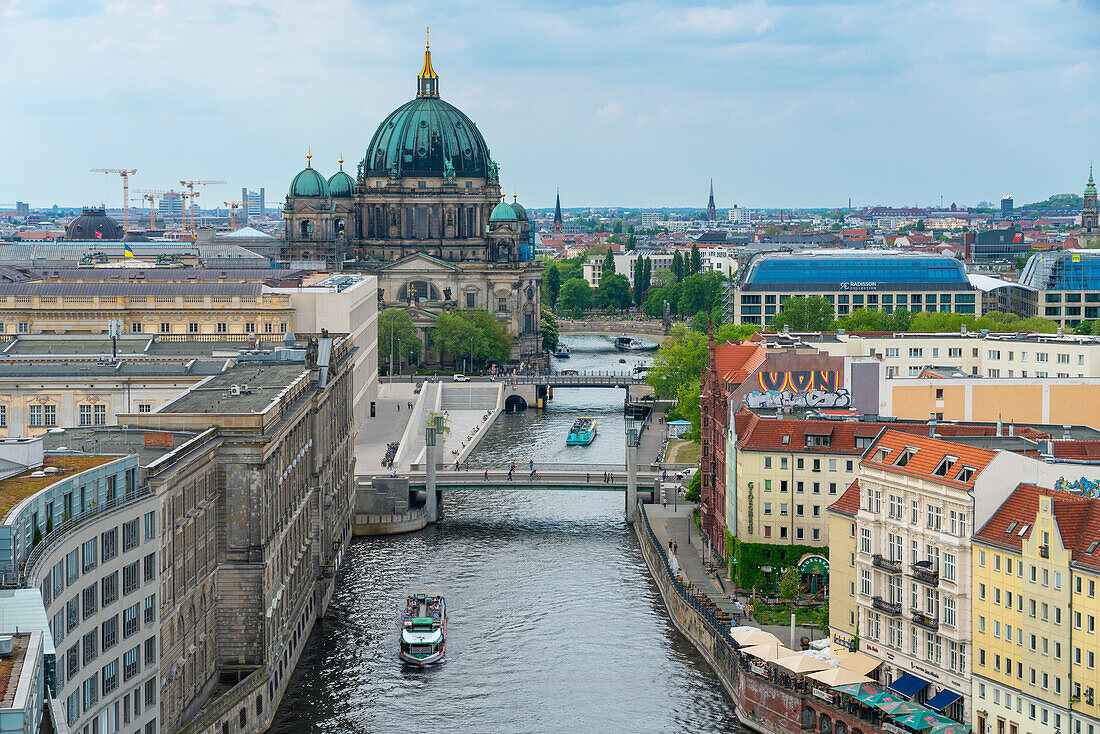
{"x":747,"y":636}
{"x":768,"y":653}
{"x":838,"y":677}
{"x":801,"y":664}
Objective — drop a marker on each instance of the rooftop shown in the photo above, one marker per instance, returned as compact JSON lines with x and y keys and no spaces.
{"x":257,"y":383}
{"x":149,"y":445}
{"x":848,"y":502}
{"x":924,"y":457}
{"x":815,"y":270}
{"x":14,"y":490}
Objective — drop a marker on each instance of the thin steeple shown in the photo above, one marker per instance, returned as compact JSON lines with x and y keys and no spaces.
{"x":558,"y":224}
{"x":712,"y":211}
{"x":427,"y":81}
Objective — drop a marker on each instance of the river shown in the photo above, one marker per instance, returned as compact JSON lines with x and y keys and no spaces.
{"x":554,"y":624}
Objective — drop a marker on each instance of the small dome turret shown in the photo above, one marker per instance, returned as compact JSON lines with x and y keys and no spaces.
{"x":309,"y":182}
{"x":503,"y":212}
{"x":521,"y":213}
{"x":341,"y":185}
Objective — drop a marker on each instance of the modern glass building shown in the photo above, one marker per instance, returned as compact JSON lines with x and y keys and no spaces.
{"x":1065,"y":285}
{"x":882,"y":280}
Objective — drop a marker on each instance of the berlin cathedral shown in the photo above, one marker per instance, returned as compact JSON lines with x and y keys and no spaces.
{"x":424,"y":214}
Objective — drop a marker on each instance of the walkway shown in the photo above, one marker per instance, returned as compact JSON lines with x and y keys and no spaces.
{"x":387,"y":425}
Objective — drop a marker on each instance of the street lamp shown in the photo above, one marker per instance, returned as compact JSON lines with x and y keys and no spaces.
{"x":391,"y":347}
{"x":471,"y":354}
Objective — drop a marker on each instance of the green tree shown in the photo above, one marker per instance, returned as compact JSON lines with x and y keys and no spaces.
{"x":647,"y":273}
{"x":472,"y":333}
{"x":679,"y":361}
{"x":37,"y":538}
{"x":700,"y":293}
{"x":772,"y":230}
{"x":919,"y":226}
{"x":790,"y":585}
{"x":549,"y":328}
{"x":608,"y":264}
{"x":613,"y":292}
{"x":696,"y":264}
{"x":576,"y":296}
{"x":1085,"y":327}
{"x":694,"y":489}
{"x":49,"y":525}
{"x":617,"y":226}
{"x":805,"y":313}
{"x":639,"y":281}
{"x":653,"y":307}
{"x":551,"y":283}
{"x":396,"y":336}
{"x":700,"y":322}
{"x":631,"y":243}
{"x":677,"y":266}
{"x":687,"y":406}
{"x":662,"y":279}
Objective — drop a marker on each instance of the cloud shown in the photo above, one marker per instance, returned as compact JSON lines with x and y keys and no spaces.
{"x":610,"y":112}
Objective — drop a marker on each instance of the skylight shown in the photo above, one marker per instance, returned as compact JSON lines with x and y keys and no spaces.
{"x":1092,"y":546}
{"x":1011,"y":526}
{"x":1023,"y":529}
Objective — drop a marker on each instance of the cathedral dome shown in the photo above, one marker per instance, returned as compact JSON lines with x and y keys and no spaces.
{"x":341,"y":185}
{"x":308,"y":182}
{"x":521,"y":213}
{"x":93,"y":224}
{"x":503,"y":212}
{"x":428,"y":137}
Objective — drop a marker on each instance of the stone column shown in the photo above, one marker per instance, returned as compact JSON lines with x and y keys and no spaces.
{"x":430,"y":504}
{"x":631,"y":474}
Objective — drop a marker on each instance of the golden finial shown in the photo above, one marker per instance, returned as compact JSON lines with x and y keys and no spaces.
{"x":427,"y":37}
{"x":309,"y":156}
{"x":515,"y":197}
{"x":341,"y":161}
{"x":427,"y":78}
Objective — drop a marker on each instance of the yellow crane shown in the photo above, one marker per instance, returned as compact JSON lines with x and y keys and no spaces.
{"x":191,"y":190}
{"x":151,"y":196}
{"x":233,"y":212}
{"x":125,"y":173}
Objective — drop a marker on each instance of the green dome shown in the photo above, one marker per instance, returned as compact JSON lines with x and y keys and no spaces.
{"x":309,"y":183}
{"x":503,"y":212}
{"x":521,"y":213}
{"x":419,"y":137}
{"x":341,"y":185}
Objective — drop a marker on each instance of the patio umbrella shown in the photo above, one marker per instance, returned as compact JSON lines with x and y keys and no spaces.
{"x":901,"y":708}
{"x":768,"y":653}
{"x":859,"y":689}
{"x":750,"y":637}
{"x":802,"y":664}
{"x":881,"y":699}
{"x":922,"y":721}
{"x":858,"y":662}
{"x":952,"y":728}
{"x":838,"y":677}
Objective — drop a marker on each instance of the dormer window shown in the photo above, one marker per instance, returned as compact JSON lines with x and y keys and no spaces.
{"x":965,"y":473}
{"x":1092,"y":547}
{"x":906,"y":456}
{"x":945,"y":465}
{"x":881,"y":455}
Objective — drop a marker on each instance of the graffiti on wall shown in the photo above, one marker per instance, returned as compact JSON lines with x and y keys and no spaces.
{"x":839,"y":398}
{"x":1082,"y":486}
{"x":800,"y":380}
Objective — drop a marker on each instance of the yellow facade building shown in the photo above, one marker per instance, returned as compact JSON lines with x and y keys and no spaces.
{"x":843,"y":615}
{"x":1035,"y":572}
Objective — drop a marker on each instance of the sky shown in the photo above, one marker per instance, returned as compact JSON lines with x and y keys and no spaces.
{"x":639,"y":103}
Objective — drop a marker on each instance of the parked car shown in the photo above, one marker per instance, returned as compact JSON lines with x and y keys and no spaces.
{"x":461,"y":378}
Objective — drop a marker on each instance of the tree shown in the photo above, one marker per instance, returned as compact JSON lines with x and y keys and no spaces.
{"x":679,"y":361}
{"x":655,"y":298}
{"x":772,"y":230}
{"x":473,"y":333}
{"x":696,"y":264}
{"x":613,"y":292}
{"x":805,"y":313}
{"x":790,"y":585}
{"x":694,"y":489}
{"x":662,"y":279}
{"x":631,"y":243}
{"x":639,"y":281}
{"x":700,"y":322}
{"x":549,"y":328}
{"x":617,"y":227}
{"x":700,"y":293}
{"x":647,"y":273}
{"x":677,"y":266}
{"x":919,"y":226}
{"x":576,"y":296}
{"x":49,"y":525}
{"x":608,"y":264}
{"x":551,"y":282}
{"x":37,"y":538}
{"x":396,"y":336}
{"x":687,"y":406}
{"x":1085,"y":327}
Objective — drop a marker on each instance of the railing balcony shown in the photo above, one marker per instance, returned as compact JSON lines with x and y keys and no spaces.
{"x":926,"y":573}
{"x":885,"y":564}
{"x":1044,"y":551}
{"x":886,"y":607}
{"x":923,"y":620}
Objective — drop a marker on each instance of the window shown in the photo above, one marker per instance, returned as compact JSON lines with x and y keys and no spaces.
{"x":130,"y":535}
{"x":90,"y":691}
{"x":91,"y":646}
{"x":130,"y":622}
{"x":916,"y":352}
{"x":150,"y":609}
{"x":110,"y":677}
{"x":767,"y":462}
{"x":150,"y":563}
{"x":223,"y":327}
{"x":87,"y":553}
{"x":949,"y":566}
{"x":131,"y":664}
{"x":151,"y":651}
{"x":109,"y":631}
{"x":91,"y":600}
{"x":109,"y":544}
{"x":100,"y":412}
{"x":109,"y":586}
{"x":864,"y":582}
{"x":85,"y":415}
{"x":151,"y":525}
{"x":165,"y":327}
{"x":193,"y":327}
{"x":906,"y":456}
{"x":502,"y":304}
{"x":130,"y":578}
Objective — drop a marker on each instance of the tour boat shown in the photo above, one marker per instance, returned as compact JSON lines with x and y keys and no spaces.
{"x":630,"y":344}
{"x":424,"y":628}
{"x":582,"y":433}
{"x":562,"y":352}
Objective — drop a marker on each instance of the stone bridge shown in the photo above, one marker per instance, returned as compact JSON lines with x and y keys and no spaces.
{"x":652,"y":329}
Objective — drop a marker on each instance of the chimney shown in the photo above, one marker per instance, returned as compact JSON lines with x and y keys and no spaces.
{"x":1050,"y":447}
{"x":931,"y":425}
{"x":1011,"y":429}
{"x":786,"y":328}
{"x":962,"y":329}
{"x":1000,"y":426}
{"x":1065,"y":434}
{"x":1061,"y":331}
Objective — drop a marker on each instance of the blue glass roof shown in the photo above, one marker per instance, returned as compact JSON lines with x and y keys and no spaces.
{"x":833,"y":272}
{"x":1067,"y":271}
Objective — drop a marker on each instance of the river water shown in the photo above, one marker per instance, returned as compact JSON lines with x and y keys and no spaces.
{"x":553,"y":625}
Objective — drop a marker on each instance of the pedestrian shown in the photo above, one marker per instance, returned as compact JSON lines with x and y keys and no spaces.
{"x":467,"y":465}
{"x":399,"y":407}
{"x":586,"y":475}
{"x":664,"y":502}
{"x":486,"y":473}
{"x":675,"y":548}
{"x":532,"y":464}
{"x":456,"y":464}
{"x":670,"y":546}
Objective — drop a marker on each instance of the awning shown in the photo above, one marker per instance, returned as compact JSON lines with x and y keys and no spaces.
{"x":857,"y":662}
{"x":908,"y":685}
{"x":942,"y":700}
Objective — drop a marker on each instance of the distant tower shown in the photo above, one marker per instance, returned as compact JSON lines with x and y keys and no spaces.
{"x":712,"y":212}
{"x":1089,"y":221}
{"x":559,"y":226}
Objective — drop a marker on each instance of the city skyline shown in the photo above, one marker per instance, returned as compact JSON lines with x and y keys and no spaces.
{"x":783,"y":104}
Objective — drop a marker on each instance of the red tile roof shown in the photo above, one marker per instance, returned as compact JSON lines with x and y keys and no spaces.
{"x":1078,"y":522}
{"x":1085,"y":450}
{"x":848,"y":502}
{"x":929,"y":453}
{"x":735,"y":362}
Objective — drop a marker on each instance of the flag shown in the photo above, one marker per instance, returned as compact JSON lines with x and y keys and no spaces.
{"x":127,"y":251}
{"x":98,"y":235}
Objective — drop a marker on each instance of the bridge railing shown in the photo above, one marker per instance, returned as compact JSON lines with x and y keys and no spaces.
{"x":584,"y":377}
{"x":501,"y":468}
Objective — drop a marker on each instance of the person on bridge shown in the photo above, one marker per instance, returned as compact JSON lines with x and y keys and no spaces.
{"x":532,"y":467}
{"x":486,"y":473}
{"x":586,"y":477}
{"x":534,"y":473}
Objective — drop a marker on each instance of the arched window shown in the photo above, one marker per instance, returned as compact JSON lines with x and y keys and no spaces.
{"x":840,"y":728}
{"x":808,"y":717}
{"x":826,"y":725}
{"x":307,"y":227}
{"x":338,"y":227}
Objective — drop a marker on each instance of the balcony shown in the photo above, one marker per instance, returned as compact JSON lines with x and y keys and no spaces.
{"x":926,"y":573}
{"x":881,"y":605}
{"x":923,"y":620}
{"x":885,"y":564}
{"x":1044,"y":551}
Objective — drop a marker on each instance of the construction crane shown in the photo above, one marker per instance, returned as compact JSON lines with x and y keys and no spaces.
{"x":125,"y":173}
{"x":151,"y":196}
{"x":233,"y":212}
{"x":191,"y":189}
{"x":185,"y":197}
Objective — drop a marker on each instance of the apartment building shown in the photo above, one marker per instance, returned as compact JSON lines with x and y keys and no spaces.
{"x":909,"y":547}
{"x":1034,"y":590}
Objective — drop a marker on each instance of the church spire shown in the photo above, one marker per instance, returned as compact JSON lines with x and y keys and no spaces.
{"x":1090,"y":187}
{"x":427,"y":81}
{"x":712,"y":212}
{"x":558,"y":224}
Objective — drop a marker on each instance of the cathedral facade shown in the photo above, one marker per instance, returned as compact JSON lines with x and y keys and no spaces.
{"x":424,"y":213}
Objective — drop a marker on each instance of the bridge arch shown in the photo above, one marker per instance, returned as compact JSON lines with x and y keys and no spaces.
{"x":514,"y":403}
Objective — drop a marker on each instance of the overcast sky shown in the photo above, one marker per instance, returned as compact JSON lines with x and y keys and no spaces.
{"x":784,"y":104}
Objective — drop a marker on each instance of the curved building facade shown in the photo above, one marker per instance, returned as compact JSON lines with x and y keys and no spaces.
{"x":1062,"y":285}
{"x":850,"y":280}
{"x":419,"y":214}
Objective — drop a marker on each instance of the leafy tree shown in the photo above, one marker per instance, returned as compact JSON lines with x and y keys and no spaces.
{"x":576,"y":296}
{"x":772,"y":230}
{"x":639,"y":281}
{"x":696,"y":264}
{"x":653,"y":307}
{"x":734,"y":333}
{"x":694,"y":489}
{"x":396,"y":336}
{"x":549,"y":328}
{"x":613,"y":292}
{"x":630,"y":229}
{"x":700,"y":322}
{"x":700,"y":293}
{"x":1085,"y":327}
{"x":647,"y":273}
{"x":617,"y":227}
{"x":551,"y":282}
{"x":805,"y":313}
{"x":919,"y":226}
{"x":608,"y":265}
{"x":679,"y":361}
{"x":790,"y":585}
{"x":687,"y":405}
{"x":472,"y":333}
{"x":677,"y":266}
{"x":662,"y":279}
{"x":631,"y":243}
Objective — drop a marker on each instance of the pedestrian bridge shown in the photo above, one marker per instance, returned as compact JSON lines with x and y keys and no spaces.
{"x":553,"y":477}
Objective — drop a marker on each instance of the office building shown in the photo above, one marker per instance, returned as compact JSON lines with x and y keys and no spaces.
{"x":998,"y":246}
{"x":1007,"y":209}
{"x":1062,"y":285}
{"x":253,"y":204}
